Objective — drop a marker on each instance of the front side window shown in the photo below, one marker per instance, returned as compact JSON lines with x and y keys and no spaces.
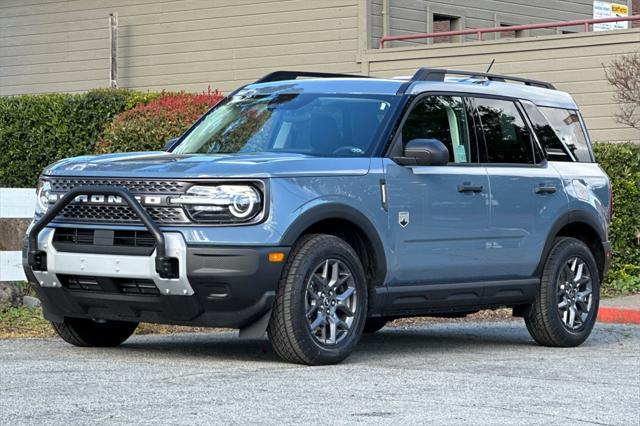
{"x":443,"y":118}
{"x":567,"y":126}
{"x":506,"y":135}
{"x":313,"y":124}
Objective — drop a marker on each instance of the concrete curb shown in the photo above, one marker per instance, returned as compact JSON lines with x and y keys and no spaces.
{"x":619,"y":315}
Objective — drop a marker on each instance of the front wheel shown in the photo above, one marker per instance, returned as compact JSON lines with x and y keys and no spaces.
{"x":566,"y":307}
{"x":94,"y":333}
{"x":321,"y":304}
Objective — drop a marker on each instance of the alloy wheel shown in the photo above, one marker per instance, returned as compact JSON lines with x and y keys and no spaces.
{"x":330,"y":302}
{"x":575,"y":293}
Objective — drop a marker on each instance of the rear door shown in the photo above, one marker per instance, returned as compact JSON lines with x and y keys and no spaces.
{"x":438,"y":215}
{"x":527,"y":195}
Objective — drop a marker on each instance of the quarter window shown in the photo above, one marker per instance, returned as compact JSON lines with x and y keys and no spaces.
{"x":443,"y":118}
{"x":567,"y":126}
{"x":506,"y":136}
{"x":551,"y":143}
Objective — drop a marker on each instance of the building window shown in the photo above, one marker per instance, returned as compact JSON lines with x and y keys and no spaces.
{"x":444,"y":23}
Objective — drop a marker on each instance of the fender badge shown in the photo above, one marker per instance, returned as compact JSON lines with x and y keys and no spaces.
{"x":403,"y":219}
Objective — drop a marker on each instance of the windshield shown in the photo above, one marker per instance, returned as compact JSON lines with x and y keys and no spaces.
{"x":313,"y":124}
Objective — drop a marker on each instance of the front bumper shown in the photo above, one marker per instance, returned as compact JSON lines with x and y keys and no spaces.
{"x":217,"y":286}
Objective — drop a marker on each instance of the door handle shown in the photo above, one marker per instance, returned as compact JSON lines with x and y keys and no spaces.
{"x":545,"y":189}
{"x":467,"y":187}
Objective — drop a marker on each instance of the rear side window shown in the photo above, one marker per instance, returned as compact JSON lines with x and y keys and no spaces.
{"x":567,"y":126}
{"x":443,"y":118}
{"x":549,"y":141}
{"x":506,"y":136}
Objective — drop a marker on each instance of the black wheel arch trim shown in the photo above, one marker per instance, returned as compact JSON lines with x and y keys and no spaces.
{"x":334,"y":210}
{"x":572,"y":216}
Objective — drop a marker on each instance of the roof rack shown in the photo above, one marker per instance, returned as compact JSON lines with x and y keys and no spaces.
{"x":439,"y":74}
{"x":292,"y":75}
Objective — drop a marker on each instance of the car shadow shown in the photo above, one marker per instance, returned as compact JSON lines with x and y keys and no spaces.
{"x":423,"y":341}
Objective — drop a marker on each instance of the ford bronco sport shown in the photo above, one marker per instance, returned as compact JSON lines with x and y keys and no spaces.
{"x":317,"y":206}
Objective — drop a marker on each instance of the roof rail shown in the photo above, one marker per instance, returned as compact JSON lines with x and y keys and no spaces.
{"x":439,"y":74}
{"x":292,"y":75}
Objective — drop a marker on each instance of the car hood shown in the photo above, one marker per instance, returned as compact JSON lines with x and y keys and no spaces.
{"x":165,"y":165}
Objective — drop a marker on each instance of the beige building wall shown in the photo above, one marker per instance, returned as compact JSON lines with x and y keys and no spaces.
{"x":172,"y":45}
{"x":573,"y":63}
{"x":402,"y":17}
{"x":63,"y":46}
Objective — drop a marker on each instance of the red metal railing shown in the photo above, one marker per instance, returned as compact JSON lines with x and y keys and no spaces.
{"x":479,"y":31}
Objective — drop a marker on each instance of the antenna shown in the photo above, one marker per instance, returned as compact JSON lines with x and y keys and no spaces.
{"x":490,"y":65}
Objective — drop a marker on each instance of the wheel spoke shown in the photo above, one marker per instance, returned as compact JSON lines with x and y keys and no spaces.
{"x":572,"y":316}
{"x":344,"y":309}
{"x":573,"y":262}
{"x":578,"y":274}
{"x":568,"y":272}
{"x":312,"y":293}
{"x":332,"y":331}
{"x":341,"y":324}
{"x":312,"y":310}
{"x":583,"y":295}
{"x":345,"y":295}
{"x":562,"y":304}
{"x":317,"y":322}
{"x":325,"y":270}
{"x":343,"y":279}
{"x":335,"y":274}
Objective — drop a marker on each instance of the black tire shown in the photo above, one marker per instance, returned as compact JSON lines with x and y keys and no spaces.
{"x":289,"y":330}
{"x":372,"y":325}
{"x":90,"y":333}
{"x":543,"y":319}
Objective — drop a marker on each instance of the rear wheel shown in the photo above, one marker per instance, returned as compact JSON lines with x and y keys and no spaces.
{"x":321,"y":304}
{"x":566,"y":307}
{"x":94,"y":333}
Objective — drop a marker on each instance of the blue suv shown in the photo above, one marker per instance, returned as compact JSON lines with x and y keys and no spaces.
{"x":317,"y":206}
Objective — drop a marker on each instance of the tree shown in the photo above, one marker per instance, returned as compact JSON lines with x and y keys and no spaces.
{"x":623,"y":73}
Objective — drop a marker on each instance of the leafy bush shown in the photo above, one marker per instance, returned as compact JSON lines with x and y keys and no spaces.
{"x":148,"y":126}
{"x":622,"y":164}
{"x":36,"y":130}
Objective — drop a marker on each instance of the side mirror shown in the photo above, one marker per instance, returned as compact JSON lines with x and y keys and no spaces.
{"x":170,"y":144}
{"x":424,"y":152}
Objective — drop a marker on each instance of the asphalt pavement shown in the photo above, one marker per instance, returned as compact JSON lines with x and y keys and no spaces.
{"x":447,"y":373}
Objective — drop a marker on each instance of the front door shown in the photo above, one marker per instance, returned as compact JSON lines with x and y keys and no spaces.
{"x":439,"y":215}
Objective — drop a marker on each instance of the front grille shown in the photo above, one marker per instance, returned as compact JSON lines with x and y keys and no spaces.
{"x":121,"y":213}
{"x":91,"y":213}
{"x":104,"y":241}
{"x":130,"y":286}
{"x":133,"y":239}
{"x":135,"y":186}
{"x":133,"y":286}
{"x":73,"y":236}
{"x":80,"y":283}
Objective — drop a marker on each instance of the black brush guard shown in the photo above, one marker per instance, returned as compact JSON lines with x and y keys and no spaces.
{"x":166,"y":267}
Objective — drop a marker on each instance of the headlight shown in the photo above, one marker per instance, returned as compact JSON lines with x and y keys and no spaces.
{"x":42,"y":196}
{"x":221,"y":203}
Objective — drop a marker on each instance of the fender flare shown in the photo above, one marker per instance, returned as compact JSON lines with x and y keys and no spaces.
{"x":573,"y":216}
{"x":334,"y":210}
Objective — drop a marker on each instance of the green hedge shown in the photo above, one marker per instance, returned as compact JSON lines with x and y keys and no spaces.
{"x":622,"y":164}
{"x":147,"y":127}
{"x":36,"y":130}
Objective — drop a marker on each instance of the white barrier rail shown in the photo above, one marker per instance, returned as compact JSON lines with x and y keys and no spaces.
{"x":15,"y":203}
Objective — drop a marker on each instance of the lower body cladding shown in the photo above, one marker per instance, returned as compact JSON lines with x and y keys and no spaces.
{"x":216,"y":286}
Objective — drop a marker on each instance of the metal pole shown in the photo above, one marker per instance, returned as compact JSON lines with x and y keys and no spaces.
{"x":113,"y":55}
